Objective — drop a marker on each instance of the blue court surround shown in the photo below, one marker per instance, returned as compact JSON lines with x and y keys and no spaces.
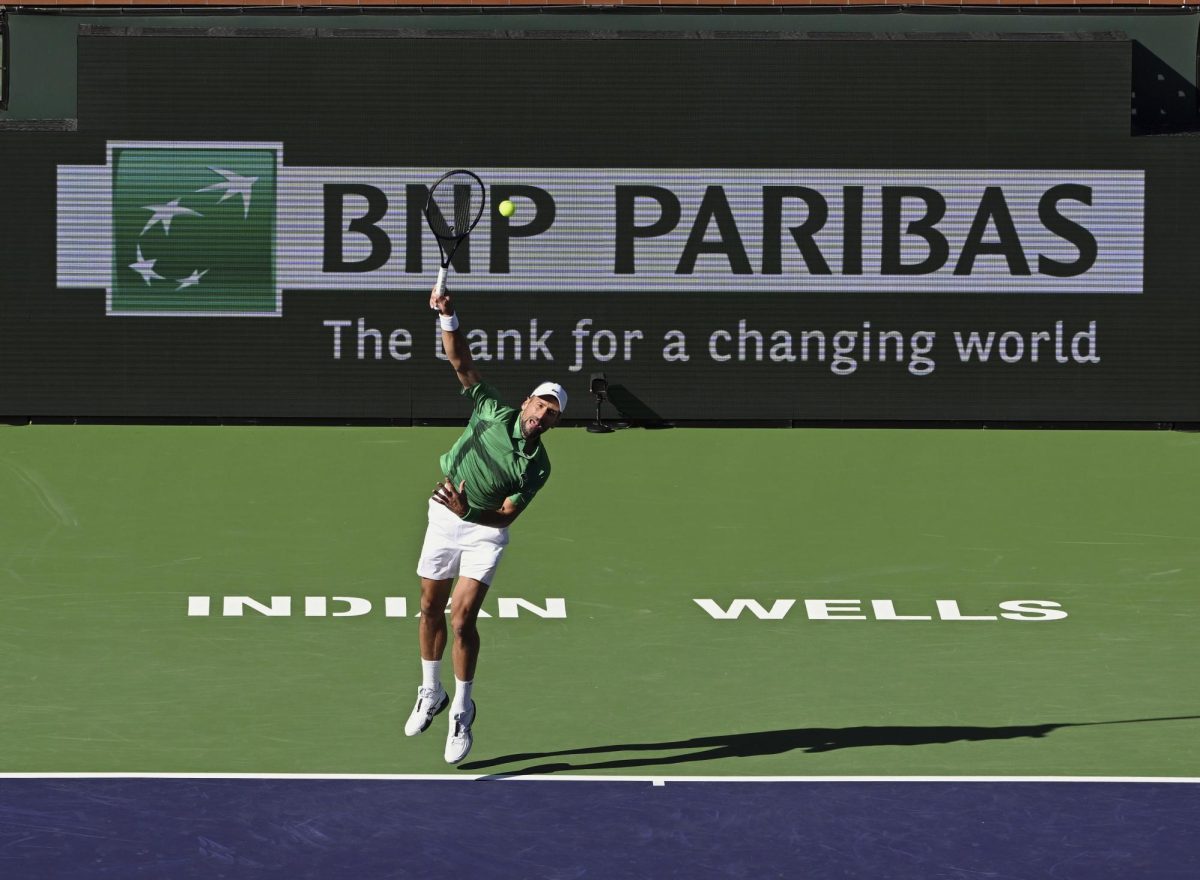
{"x":564,"y":828}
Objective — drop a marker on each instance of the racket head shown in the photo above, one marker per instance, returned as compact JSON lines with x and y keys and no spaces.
{"x":455,"y":205}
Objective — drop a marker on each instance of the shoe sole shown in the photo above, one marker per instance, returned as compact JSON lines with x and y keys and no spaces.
{"x":441,"y":707}
{"x":474,"y":715}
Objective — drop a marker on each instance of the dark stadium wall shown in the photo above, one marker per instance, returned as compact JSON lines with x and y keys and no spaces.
{"x":978,"y":232}
{"x":43,"y":49}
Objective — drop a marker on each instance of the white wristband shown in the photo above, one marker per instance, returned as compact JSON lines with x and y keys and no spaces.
{"x":449,"y":323}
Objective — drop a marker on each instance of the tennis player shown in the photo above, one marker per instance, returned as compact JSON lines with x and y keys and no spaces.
{"x":489,"y":477}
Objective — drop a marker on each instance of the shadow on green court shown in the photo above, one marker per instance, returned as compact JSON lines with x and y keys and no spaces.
{"x":632,"y":408}
{"x":810,"y":740}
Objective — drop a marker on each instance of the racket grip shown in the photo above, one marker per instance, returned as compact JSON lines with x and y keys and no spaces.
{"x":439,"y":288}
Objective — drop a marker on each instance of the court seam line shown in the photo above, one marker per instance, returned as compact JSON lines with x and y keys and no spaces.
{"x":657,"y":781}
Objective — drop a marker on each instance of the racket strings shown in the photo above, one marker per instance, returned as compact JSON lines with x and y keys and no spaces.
{"x":464,"y":210}
{"x":454,"y":205}
{"x":441,"y":206}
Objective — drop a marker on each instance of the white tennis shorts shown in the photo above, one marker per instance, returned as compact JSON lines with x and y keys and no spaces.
{"x":455,"y":548}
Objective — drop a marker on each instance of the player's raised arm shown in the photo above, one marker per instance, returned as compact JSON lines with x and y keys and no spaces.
{"x":457,"y":350}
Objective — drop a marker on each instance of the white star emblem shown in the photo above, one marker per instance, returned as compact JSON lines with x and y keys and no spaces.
{"x":234,"y":184}
{"x":164,"y":214}
{"x":191,"y":280}
{"x":145,"y":268}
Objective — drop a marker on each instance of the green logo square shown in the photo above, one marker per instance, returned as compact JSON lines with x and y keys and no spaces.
{"x":194,"y":230}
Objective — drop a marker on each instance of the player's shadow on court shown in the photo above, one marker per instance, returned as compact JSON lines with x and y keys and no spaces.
{"x":809,"y":740}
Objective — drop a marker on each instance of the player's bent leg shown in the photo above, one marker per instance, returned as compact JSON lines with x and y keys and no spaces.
{"x":465,"y":607}
{"x":431,"y":696}
{"x":431,"y":633}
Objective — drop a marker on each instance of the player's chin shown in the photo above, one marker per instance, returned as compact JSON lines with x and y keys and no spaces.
{"x":531,"y":429}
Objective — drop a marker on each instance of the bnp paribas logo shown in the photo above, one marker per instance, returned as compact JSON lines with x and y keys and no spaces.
{"x":174,"y":229}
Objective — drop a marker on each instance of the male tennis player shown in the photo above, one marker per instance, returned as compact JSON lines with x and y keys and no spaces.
{"x":489,"y":476}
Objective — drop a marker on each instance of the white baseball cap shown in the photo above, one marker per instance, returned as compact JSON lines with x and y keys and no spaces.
{"x":551,"y":389}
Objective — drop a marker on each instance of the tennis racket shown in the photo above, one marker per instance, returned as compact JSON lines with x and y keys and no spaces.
{"x":454,"y":206}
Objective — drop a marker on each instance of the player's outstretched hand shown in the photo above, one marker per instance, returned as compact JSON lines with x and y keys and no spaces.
{"x":441,"y":302}
{"x":454,"y":499}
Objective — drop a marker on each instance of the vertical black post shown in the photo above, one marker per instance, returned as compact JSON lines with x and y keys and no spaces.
{"x":4,"y":53}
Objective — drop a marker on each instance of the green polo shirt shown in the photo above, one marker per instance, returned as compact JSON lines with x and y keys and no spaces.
{"x":490,"y":455}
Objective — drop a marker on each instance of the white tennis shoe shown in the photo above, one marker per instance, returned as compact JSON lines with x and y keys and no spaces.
{"x":429,"y":703}
{"x":458,"y":743}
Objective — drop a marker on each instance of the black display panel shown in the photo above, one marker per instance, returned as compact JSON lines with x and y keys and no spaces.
{"x":731,"y":229}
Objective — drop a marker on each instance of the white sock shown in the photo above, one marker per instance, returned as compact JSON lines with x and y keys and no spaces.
{"x":429,"y":673}
{"x":462,"y":695}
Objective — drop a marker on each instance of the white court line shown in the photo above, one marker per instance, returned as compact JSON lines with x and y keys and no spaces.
{"x":655,"y":780}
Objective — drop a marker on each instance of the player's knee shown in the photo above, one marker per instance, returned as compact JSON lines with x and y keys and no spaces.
{"x":432,"y":610}
{"x":464,"y":628}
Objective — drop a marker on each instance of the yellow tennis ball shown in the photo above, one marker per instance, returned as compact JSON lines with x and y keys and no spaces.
{"x":506,"y":208}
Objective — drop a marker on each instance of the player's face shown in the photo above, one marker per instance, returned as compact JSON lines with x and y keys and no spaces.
{"x":538,"y":415}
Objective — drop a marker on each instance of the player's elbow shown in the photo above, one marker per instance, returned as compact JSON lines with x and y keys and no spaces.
{"x":468,"y":376}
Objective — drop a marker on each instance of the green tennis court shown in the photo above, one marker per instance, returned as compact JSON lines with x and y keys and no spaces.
{"x":597,"y":648}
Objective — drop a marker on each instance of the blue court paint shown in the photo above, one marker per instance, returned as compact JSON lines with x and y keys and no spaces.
{"x":275,"y":828}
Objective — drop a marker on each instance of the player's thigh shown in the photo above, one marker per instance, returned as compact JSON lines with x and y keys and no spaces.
{"x":435,"y":594}
{"x":469,"y":594}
